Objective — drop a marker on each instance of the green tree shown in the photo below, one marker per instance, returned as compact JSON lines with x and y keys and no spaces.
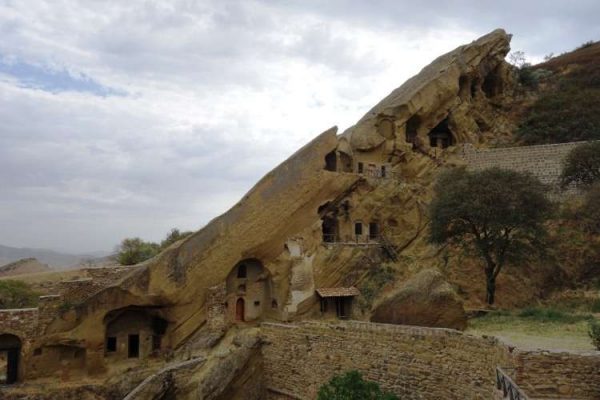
{"x":132,"y":251}
{"x":590,"y":211}
{"x":352,"y":386}
{"x":582,"y":165}
{"x":17,"y":294}
{"x":497,"y":213}
{"x":173,"y":236}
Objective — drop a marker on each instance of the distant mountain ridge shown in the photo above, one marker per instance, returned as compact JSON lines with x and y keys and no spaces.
{"x":52,"y":258}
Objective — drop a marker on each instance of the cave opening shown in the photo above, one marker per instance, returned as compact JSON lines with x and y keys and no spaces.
{"x":441,"y":136}
{"x":412,"y":125}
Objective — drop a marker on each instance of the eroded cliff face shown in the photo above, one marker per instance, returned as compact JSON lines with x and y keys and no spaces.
{"x":297,"y":229}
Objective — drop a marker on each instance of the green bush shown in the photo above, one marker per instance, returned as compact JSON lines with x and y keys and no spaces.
{"x":134,"y":251}
{"x":595,"y":307}
{"x":590,"y":211}
{"x":594,"y":332}
{"x":582,"y":165}
{"x":527,"y":77}
{"x":372,"y":285}
{"x":352,"y":386}
{"x":17,"y":294}
{"x":174,"y":236}
{"x":551,"y":315}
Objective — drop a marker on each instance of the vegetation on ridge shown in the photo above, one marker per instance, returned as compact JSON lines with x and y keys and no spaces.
{"x":567,"y":109}
{"x":17,"y":294}
{"x":133,"y":251}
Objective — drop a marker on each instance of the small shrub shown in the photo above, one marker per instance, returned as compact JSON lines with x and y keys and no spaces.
{"x":594,"y":332}
{"x":528,"y":77}
{"x":372,"y":285}
{"x":352,"y":386}
{"x":584,"y":45}
{"x":590,"y":211}
{"x":595,"y":307}
{"x":17,"y":294}
{"x":64,"y":307}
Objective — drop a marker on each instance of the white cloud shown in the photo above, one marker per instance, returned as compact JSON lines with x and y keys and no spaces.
{"x":218,"y":93}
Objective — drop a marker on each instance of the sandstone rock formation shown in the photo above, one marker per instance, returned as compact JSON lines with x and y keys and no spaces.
{"x":327,"y":217}
{"x":426,"y":299}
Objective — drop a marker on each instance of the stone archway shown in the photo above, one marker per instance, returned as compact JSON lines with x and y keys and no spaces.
{"x":248,"y":291}
{"x":10,"y":353}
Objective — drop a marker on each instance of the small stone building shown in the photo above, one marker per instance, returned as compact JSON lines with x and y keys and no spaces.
{"x":337,"y":302}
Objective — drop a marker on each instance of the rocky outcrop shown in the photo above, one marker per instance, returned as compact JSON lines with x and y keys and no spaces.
{"x":424,"y":300}
{"x":443,"y":92}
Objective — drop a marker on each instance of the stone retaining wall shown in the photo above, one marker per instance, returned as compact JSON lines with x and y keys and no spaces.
{"x":416,"y":362}
{"x":543,"y":161}
{"x":550,"y":375}
{"x":413,"y":362}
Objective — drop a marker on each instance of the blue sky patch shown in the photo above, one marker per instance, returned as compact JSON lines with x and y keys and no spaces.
{"x":54,"y":80}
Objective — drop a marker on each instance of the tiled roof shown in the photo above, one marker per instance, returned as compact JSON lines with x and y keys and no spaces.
{"x":338,"y":292}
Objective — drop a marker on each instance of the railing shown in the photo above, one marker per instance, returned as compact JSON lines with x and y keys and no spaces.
{"x":509,"y":388}
{"x":351,"y":240}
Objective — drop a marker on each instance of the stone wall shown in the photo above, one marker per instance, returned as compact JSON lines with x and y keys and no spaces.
{"x":416,"y":362}
{"x":216,"y":314}
{"x":544,"y":161}
{"x":413,"y":362}
{"x":553,"y":375}
{"x":21,"y":322}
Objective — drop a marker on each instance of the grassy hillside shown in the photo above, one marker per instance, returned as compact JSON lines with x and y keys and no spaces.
{"x":567,"y":107}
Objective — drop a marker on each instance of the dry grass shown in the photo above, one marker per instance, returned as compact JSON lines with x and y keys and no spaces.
{"x":529,"y":330}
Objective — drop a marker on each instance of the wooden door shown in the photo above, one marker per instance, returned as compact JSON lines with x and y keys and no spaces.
{"x":239,"y":310}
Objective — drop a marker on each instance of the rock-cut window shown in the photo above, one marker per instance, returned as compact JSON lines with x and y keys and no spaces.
{"x":242,"y":273}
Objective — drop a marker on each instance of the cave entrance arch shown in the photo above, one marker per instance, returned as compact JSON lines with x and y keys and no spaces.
{"x":248,"y":291}
{"x":10,"y":351}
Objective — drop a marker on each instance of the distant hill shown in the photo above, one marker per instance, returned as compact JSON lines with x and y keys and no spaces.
{"x":44,"y":256}
{"x":23,"y":266}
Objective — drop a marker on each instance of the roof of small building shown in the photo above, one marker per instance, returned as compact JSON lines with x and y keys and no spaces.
{"x":338,"y":292}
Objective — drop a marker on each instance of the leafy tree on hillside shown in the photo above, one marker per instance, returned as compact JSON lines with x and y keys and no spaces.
{"x":134,"y":250}
{"x":499,"y":214}
{"x":582,"y":165}
{"x":173,"y":236}
{"x":17,"y":294}
{"x":352,"y":386}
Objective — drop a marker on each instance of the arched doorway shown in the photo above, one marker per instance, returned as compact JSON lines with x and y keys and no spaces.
{"x":239,"y":310}
{"x":10,"y":351}
{"x":248,"y":291}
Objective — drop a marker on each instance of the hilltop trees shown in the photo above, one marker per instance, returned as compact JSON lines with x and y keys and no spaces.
{"x":133,"y":251}
{"x":497,"y":213}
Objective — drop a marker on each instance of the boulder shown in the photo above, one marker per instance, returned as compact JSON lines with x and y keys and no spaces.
{"x":426,"y":299}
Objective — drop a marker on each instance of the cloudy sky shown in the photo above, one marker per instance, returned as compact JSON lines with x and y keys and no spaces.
{"x":127,"y":118}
